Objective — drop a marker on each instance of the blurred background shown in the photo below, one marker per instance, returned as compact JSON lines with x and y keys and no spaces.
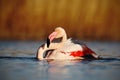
{"x":97,"y":20}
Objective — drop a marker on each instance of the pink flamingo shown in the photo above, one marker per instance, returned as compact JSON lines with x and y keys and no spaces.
{"x":59,"y":47}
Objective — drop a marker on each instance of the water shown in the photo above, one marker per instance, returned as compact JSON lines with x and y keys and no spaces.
{"x":18,"y":62}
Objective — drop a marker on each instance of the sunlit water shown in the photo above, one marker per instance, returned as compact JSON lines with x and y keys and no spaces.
{"x":18,"y":62}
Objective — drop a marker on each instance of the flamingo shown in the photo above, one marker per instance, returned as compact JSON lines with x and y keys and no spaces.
{"x":59,"y":47}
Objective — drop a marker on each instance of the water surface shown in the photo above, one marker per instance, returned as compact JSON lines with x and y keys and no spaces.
{"x":18,"y":62}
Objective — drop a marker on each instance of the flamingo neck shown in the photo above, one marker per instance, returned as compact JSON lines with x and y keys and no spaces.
{"x":64,"y":38}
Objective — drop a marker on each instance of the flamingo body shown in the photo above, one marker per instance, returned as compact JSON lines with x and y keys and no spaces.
{"x":65,"y":49}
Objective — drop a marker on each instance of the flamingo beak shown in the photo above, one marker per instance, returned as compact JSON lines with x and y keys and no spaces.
{"x":50,"y":38}
{"x":48,"y":42}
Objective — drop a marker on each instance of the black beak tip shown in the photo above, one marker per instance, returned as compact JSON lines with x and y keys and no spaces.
{"x":48,"y":42}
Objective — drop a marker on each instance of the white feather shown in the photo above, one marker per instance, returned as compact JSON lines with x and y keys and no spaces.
{"x":69,"y":46}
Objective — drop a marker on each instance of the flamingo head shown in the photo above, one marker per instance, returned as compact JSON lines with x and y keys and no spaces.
{"x":57,"y":33}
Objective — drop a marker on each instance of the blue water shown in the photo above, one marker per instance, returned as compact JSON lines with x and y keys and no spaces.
{"x":18,"y":62}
